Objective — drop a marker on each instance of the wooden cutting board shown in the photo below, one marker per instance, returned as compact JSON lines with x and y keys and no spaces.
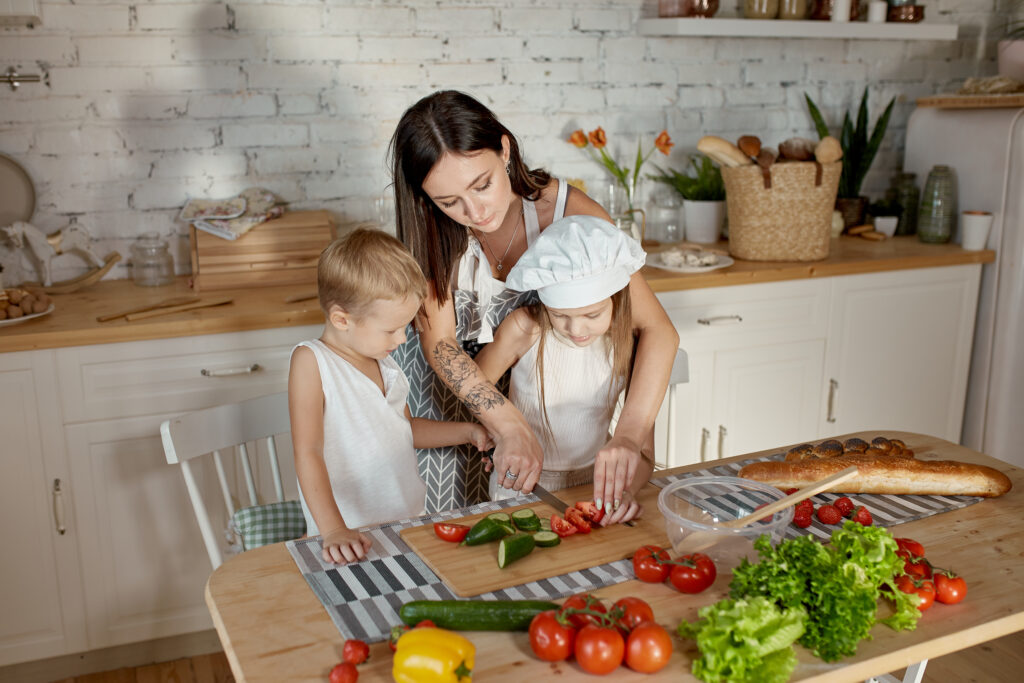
{"x":472,"y":570}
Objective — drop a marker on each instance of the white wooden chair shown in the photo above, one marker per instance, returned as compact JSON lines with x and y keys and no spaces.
{"x":680,"y":375}
{"x":223,"y":428}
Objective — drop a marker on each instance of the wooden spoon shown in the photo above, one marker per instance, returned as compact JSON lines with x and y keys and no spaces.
{"x":173,"y":301}
{"x":793,"y":498}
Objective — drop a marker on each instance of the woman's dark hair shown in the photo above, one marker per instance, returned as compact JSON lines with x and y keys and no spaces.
{"x":446,"y":121}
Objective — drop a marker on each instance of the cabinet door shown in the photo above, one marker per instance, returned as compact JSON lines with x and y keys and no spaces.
{"x":899,"y":351}
{"x":764,"y":396}
{"x":41,"y":614}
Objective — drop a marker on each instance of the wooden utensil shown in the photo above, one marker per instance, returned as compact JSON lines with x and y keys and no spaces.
{"x":177,"y":309}
{"x":303,"y":296}
{"x":793,"y":498}
{"x":173,"y":301}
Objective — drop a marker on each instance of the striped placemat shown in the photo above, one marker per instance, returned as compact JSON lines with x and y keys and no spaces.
{"x":886,"y":510}
{"x":363,"y":599}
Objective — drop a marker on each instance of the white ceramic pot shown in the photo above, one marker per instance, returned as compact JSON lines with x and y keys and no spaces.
{"x":1010,"y":56}
{"x":703,"y":220}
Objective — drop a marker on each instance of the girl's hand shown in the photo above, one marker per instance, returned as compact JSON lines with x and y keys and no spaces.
{"x":614,"y":468}
{"x":343,"y":545}
{"x":478,"y":436}
{"x":517,"y":451}
{"x":629,"y":509}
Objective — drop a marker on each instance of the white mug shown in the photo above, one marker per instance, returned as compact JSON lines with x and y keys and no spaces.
{"x":974,"y":227}
{"x":877,"y":11}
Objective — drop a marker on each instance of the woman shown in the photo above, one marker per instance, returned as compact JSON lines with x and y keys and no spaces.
{"x":467,"y":206}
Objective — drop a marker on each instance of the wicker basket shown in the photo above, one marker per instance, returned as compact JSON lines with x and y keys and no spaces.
{"x":784,"y":214}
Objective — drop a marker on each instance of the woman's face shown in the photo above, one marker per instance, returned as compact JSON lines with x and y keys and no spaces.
{"x":582,"y":326}
{"x":472,"y":189}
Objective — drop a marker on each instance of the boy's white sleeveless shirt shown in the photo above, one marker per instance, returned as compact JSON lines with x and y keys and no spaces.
{"x":368,"y":447}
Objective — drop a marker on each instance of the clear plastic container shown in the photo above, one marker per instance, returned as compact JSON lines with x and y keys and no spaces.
{"x":696,"y":508}
{"x":152,"y":264}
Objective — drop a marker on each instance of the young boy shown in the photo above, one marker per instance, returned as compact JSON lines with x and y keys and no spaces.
{"x":352,"y":432}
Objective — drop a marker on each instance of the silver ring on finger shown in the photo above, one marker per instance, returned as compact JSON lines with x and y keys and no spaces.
{"x":509,"y":475}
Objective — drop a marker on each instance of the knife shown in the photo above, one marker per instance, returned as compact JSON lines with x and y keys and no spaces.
{"x":551,"y":499}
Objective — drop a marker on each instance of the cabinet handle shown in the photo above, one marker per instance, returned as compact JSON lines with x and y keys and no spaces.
{"x":226,"y":372}
{"x":721,"y":320}
{"x":833,"y":388}
{"x":721,"y":441}
{"x":704,"y":436}
{"x":58,"y":508}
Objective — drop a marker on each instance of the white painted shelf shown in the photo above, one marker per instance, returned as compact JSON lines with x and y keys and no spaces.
{"x":776,"y":28}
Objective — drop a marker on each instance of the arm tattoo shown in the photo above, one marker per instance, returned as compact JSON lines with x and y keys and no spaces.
{"x":456,"y":368}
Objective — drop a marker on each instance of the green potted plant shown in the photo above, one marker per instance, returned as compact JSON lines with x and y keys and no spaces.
{"x":703,"y":194}
{"x":859,"y":150}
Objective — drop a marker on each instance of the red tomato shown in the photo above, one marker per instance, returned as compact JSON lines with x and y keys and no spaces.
{"x":591,"y":512}
{"x":911,"y":546}
{"x":450,"y":532}
{"x":918,"y":567}
{"x":582,"y":601}
{"x":575,"y":517}
{"x":549,"y":639}
{"x":648,"y":564}
{"x":695,"y":573}
{"x":562,"y":527}
{"x":599,"y":650}
{"x":355,"y":651}
{"x":634,"y":611}
{"x":949,"y":588}
{"x":648,"y":648}
{"x":344,"y":673}
{"x":924,"y":589}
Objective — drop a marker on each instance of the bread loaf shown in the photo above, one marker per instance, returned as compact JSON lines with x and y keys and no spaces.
{"x":828,"y":150}
{"x":723,"y":151}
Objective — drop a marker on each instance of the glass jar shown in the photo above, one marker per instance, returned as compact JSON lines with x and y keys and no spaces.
{"x":908,"y":195}
{"x":760,"y":9}
{"x":793,"y":9}
{"x":664,"y":222}
{"x":152,"y":264}
{"x":937,"y":215}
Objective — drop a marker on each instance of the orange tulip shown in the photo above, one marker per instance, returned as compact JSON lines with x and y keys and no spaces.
{"x":597,"y":138}
{"x":578,"y":138}
{"x":664,"y":143}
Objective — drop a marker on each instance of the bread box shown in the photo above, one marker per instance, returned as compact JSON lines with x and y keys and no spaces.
{"x":282,"y":251}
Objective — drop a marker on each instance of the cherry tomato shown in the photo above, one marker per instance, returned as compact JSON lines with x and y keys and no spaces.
{"x":591,"y":512}
{"x":647,"y":564}
{"x":918,"y":567}
{"x":648,"y":648}
{"x":575,"y":517}
{"x":911,"y":546}
{"x":599,"y":650}
{"x":923,"y":588}
{"x":562,"y":527}
{"x":344,"y":673}
{"x":450,"y":532}
{"x":581,"y":601}
{"x":355,"y":651}
{"x":551,"y":640}
{"x":695,"y":573}
{"x":949,"y":588}
{"x":634,"y":611}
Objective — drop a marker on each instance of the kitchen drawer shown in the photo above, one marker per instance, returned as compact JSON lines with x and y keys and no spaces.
{"x":774,"y":312}
{"x":174,"y":375}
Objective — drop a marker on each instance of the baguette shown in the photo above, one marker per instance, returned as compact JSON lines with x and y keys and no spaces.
{"x":883,"y":473}
{"x":723,"y":151}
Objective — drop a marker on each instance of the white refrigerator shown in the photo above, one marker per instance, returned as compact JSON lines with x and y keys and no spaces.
{"x":985,"y":147}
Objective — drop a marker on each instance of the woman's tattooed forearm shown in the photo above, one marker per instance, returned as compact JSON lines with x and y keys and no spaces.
{"x":457,"y":369}
{"x":483,"y":397}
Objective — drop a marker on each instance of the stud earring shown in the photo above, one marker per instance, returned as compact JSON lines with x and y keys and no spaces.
{"x":508,"y":167}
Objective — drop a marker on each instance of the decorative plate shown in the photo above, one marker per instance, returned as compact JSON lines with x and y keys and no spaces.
{"x":17,"y":194}
{"x":723,"y":262}
{"x":15,"y":321}
{"x":200,"y":209}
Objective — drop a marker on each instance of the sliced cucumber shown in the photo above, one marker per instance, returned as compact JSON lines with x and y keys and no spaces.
{"x":514,"y":547}
{"x":475,"y":615}
{"x":546,"y":539}
{"x":500,"y":516}
{"x":545,"y":524}
{"x":526,"y":520}
{"x":487,"y":530}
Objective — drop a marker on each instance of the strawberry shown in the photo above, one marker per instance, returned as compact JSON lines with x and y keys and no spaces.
{"x":805,"y":505}
{"x":828,"y":514}
{"x":862,"y":516}
{"x":844,"y":505}
{"x":789,"y":491}
{"x":355,"y":651}
{"x":802,"y":520}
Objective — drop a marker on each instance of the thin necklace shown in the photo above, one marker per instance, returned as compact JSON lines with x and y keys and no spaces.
{"x":515,"y":232}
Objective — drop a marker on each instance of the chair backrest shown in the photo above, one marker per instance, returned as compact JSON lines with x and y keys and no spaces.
{"x":222,"y":428}
{"x":680,"y":375}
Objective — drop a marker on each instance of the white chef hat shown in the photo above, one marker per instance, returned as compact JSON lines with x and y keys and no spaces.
{"x":577,"y":261}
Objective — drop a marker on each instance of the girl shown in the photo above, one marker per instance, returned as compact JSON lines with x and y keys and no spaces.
{"x":467,"y":206}
{"x":570,"y":354}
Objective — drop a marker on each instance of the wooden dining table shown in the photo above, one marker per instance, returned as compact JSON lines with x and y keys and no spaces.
{"x":273,"y":627}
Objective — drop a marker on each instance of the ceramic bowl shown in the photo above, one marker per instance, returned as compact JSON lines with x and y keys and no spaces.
{"x":695,"y":509}
{"x":906,"y":13}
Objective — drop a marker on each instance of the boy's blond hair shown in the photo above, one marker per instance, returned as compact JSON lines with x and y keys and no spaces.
{"x":364,"y":266}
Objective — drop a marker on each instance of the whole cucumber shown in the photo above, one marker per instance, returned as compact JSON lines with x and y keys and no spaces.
{"x":475,"y":615}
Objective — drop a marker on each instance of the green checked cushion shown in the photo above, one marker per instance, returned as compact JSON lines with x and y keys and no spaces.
{"x":270,"y":523}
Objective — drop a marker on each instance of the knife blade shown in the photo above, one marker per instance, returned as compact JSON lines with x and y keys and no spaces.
{"x":551,"y":499}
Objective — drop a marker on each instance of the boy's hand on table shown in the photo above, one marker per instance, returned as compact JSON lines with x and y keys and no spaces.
{"x":342,"y":546}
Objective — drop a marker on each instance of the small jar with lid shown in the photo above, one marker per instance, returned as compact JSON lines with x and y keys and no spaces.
{"x":760,"y":9}
{"x":152,"y":265}
{"x":793,"y":10}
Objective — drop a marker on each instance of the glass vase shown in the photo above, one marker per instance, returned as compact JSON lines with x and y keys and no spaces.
{"x":937,"y":214}
{"x":909,"y":197}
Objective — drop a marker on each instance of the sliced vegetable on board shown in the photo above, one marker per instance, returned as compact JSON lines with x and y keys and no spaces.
{"x":514,"y":547}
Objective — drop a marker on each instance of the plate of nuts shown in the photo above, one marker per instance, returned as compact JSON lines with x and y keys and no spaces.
{"x":19,"y":305}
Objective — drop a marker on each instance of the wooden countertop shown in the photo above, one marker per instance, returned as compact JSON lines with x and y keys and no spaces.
{"x":274,"y":628}
{"x":73,"y":322}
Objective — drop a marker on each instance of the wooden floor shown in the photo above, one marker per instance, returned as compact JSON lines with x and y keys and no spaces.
{"x":997,"y":661}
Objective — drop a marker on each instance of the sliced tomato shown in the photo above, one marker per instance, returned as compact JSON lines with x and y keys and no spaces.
{"x":450,"y":532}
{"x":590,"y":511}
{"x":575,"y":517}
{"x":562,"y":527}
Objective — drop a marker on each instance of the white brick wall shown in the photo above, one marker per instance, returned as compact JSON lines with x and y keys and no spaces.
{"x":144,"y":104}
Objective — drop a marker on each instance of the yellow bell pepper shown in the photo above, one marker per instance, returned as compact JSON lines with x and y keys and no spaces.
{"x":433,"y":655}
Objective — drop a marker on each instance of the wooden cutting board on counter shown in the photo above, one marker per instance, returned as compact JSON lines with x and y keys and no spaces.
{"x":472,"y":570}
